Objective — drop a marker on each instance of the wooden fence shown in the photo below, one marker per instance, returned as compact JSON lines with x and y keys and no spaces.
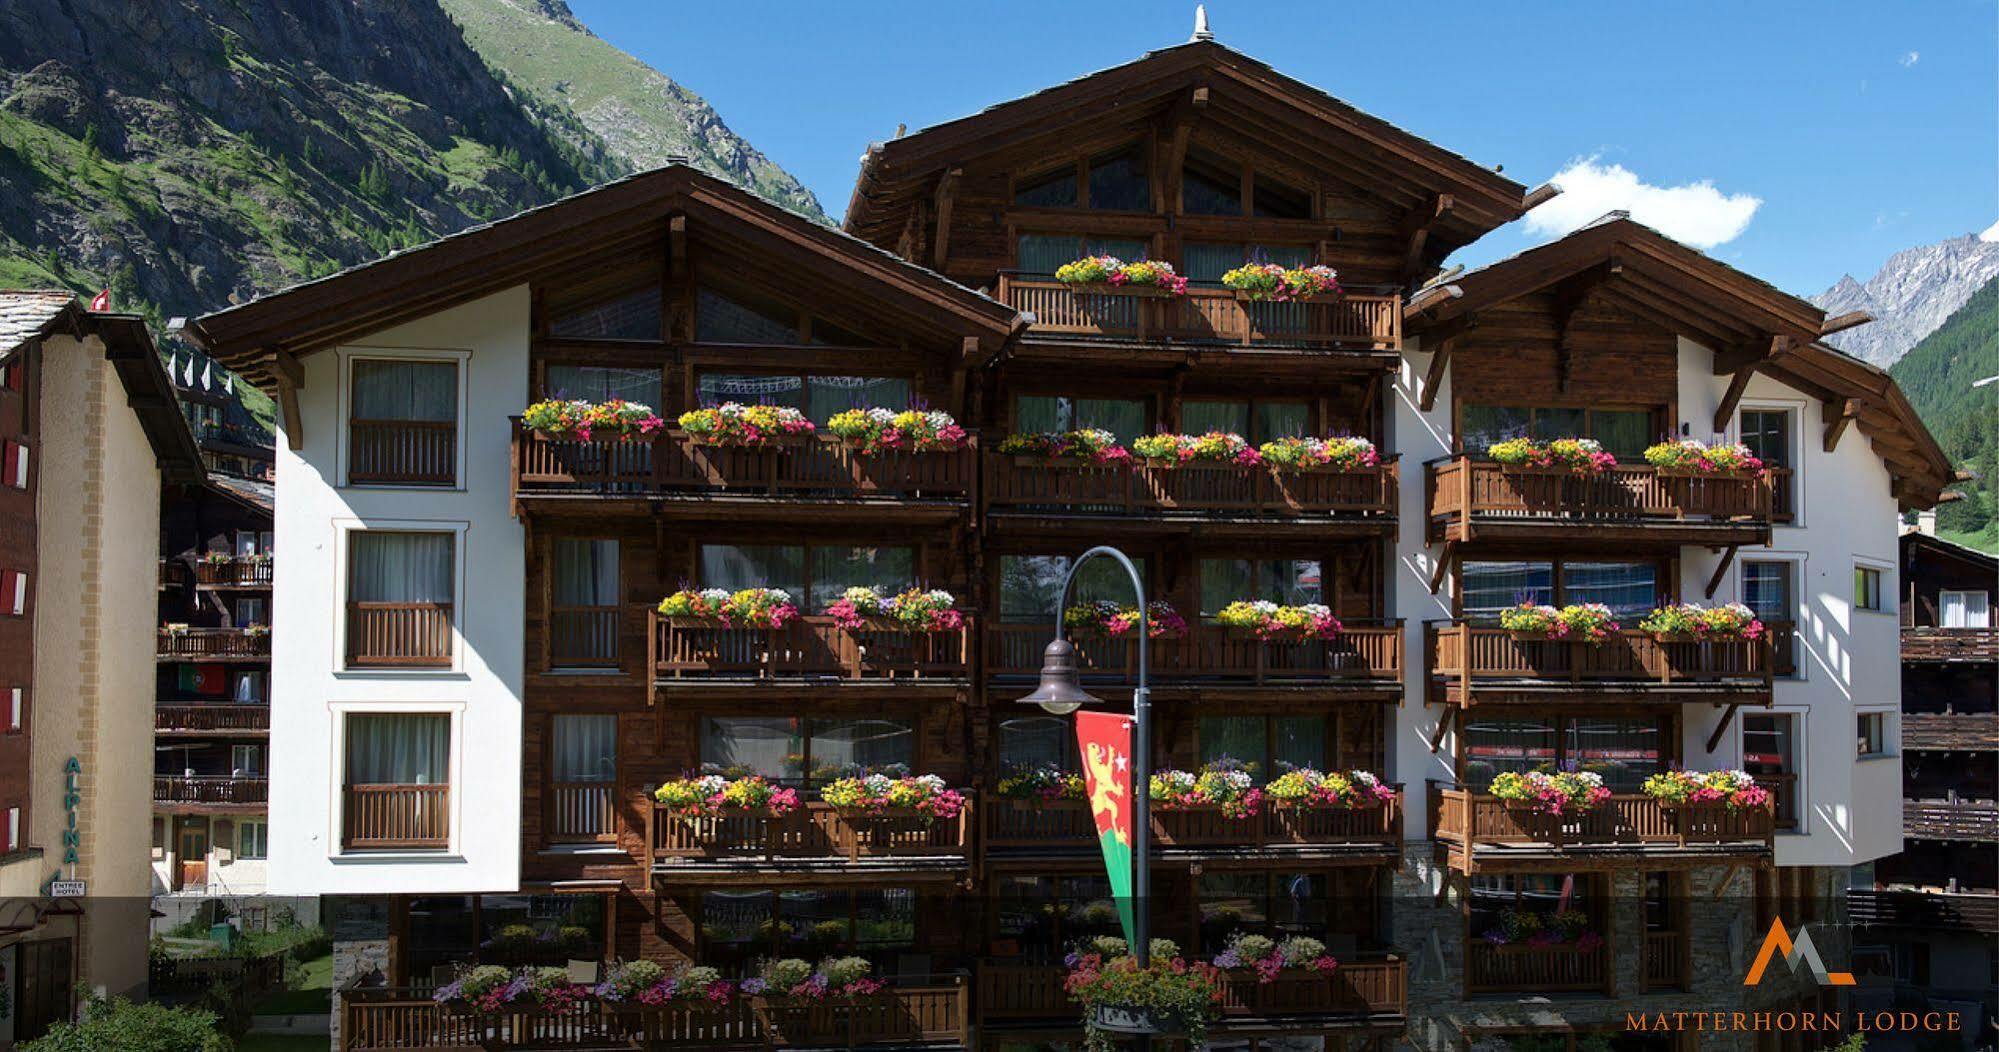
{"x":1550,"y":969}
{"x":1062,"y":486}
{"x":195,"y":643}
{"x":210,"y":789}
{"x":402,"y":452}
{"x":814,"y":830}
{"x":1468,"y":821}
{"x":1067,"y":824}
{"x":1206,"y":315}
{"x":1469,"y":652}
{"x":172,"y":717}
{"x":1461,"y":488}
{"x":1362,"y":652}
{"x":670,"y":462}
{"x":399,"y":635}
{"x":807,"y":647}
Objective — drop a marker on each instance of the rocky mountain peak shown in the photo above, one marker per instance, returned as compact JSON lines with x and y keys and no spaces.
{"x":1912,"y":295}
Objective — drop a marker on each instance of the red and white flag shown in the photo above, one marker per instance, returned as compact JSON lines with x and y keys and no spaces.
{"x":101,"y":302}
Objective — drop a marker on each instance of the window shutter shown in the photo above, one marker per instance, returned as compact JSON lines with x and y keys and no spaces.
{"x":17,"y":465}
{"x":14,"y":709}
{"x":13,"y":829}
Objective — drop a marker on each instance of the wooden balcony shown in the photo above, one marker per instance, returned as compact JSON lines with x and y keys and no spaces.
{"x":214,"y":644}
{"x":1519,"y":968}
{"x":402,"y":452}
{"x":1351,"y":321}
{"x":919,"y":1011}
{"x":1950,"y":732}
{"x":1631,"y":503}
{"x":810,"y":650}
{"x":1363,"y":662}
{"x":1910,"y":908}
{"x":1482,"y":833}
{"x":220,"y":793}
{"x":1668,"y":961}
{"x":203,"y":719}
{"x":1971,"y":820}
{"x":815,"y":839}
{"x":236,"y":572}
{"x":383,"y":817}
{"x":575,"y":812}
{"x":674,"y":475}
{"x":1980,"y":645}
{"x":398,"y":635}
{"x":1211,"y":498}
{"x":1475,"y":665}
{"x":1024,"y":829}
{"x":1372,"y":988}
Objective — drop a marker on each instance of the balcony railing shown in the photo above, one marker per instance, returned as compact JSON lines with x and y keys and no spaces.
{"x":398,"y":635}
{"x":929,"y":1011}
{"x":670,"y":463}
{"x":214,"y":643}
{"x":1950,"y":644}
{"x":816,"y":830}
{"x":1361,"y":654}
{"x":235,"y":572}
{"x":1206,"y":315}
{"x":1666,"y":960}
{"x":1464,"y":492}
{"x":808,"y":648}
{"x":579,"y":811}
{"x":402,"y":452}
{"x":395,"y":817}
{"x":1951,"y":820}
{"x":204,"y":717}
{"x":1066,"y":825}
{"x":209,"y":789}
{"x":584,"y":636}
{"x":1467,"y":822}
{"x":1932,"y":731}
{"x":1056,"y":486}
{"x":1551,"y":969}
{"x":1363,"y":986}
{"x":1963,"y":910}
{"x":1463,"y":655}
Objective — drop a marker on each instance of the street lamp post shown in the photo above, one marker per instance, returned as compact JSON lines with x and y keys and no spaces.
{"x":1061,"y":693}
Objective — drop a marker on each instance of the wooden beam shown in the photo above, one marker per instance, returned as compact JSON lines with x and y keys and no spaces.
{"x":676,"y":242}
{"x":1721,"y":570}
{"x":1433,"y":378}
{"x":288,"y":408}
{"x":1846,"y":321}
{"x":1722,"y":727}
{"x":1760,"y":349}
{"x":1538,"y":196}
{"x":1414,"y":230}
{"x":1847,"y":412}
{"x":1443,"y":727}
{"x":1443,"y":566}
{"x":1570,"y":296}
{"x":947,"y":196}
{"x":1179,"y":128}
{"x":1737,"y":387}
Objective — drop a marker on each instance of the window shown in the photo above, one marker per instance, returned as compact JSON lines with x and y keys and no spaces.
{"x":1056,"y":189}
{"x":814,"y":576}
{"x":253,"y":542}
{"x":1287,"y":581}
{"x":403,"y":423}
{"x":630,"y":316}
{"x":250,"y":610}
{"x":1210,"y":185}
{"x":1770,"y":753}
{"x":15,"y":471}
{"x":1206,"y":262}
{"x":1867,"y":589}
{"x":800,"y":751}
{"x":253,"y":839}
{"x":602,"y":383}
{"x":1964,"y":609}
{"x":13,"y":375}
{"x":583,"y":767}
{"x":818,"y":397}
{"x":1624,"y":433}
{"x":1624,"y":750}
{"x":1769,"y":589}
{"x":1125,"y":418}
{"x":583,"y":614}
{"x":1119,"y":181}
{"x":1631,"y":590}
{"x":1039,"y":255}
{"x":246,"y":761}
{"x":1540,"y":894}
{"x":1767,"y":433}
{"x":13,"y":830}
{"x":1266,"y":746}
{"x":1037,"y":741}
{"x":1275,"y":904}
{"x":727,"y":319}
{"x":1038,"y":919}
{"x":400,"y":596}
{"x":1031,"y":585}
{"x":1258,"y":421}
{"x":17,"y":709}
{"x":248,"y":687}
{"x":1490,"y":587}
{"x":396,"y":781}
{"x":13,"y":592}
{"x":740,"y":928}
{"x":1872,"y":734}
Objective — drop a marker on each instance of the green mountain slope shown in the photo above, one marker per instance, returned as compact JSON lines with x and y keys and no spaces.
{"x":640,"y":114}
{"x":1937,"y":376}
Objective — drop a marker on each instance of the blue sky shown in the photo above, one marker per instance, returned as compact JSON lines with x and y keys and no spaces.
{"x":1796,"y":140}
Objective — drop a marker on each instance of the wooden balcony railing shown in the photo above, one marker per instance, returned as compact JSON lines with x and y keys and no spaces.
{"x":200,"y":717}
{"x":584,"y":636}
{"x":671,"y":463}
{"x":810,"y":647}
{"x":579,"y":811}
{"x":209,"y":789}
{"x":1068,"y":487}
{"x":1960,"y":910}
{"x":398,"y":635}
{"x":402,"y":452}
{"x":1951,"y":820}
{"x":1371,"y":985}
{"x":1507,"y":969}
{"x":211,"y":643}
{"x":1666,"y":961}
{"x":1783,"y":787}
{"x":1206,"y":315}
{"x":931,"y":1011}
{"x":816,"y":830}
{"x":1950,"y":644}
{"x":1468,"y":821}
{"x":1067,"y":825}
{"x":1210,"y":653}
{"x":236,"y":572}
{"x":1465,"y":654}
{"x":395,"y":817}
{"x":1936,"y":731}
{"x":1463,"y":490}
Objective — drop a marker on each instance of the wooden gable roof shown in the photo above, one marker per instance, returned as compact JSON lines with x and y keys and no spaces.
{"x":1287,"y":118}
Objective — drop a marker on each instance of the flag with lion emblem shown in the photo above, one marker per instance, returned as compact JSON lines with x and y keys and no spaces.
{"x":1105,"y":738}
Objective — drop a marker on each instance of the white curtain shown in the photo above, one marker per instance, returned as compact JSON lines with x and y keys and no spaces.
{"x":394,"y":390}
{"x":586,"y":748}
{"x":1966,"y":610}
{"x":601,"y":383}
{"x":586,"y":572}
{"x":402,"y":567}
{"x":395,"y":749}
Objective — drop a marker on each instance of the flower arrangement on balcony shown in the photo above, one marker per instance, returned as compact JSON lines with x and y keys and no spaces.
{"x":736,"y":424}
{"x":1307,"y":789}
{"x":1112,"y":271}
{"x":175,"y":628}
{"x":1560,"y":928}
{"x":910,"y":610}
{"x":1105,"y":619}
{"x":1551,"y":792}
{"x":878,"y":794}
{"x":748,"y":608}
{"x":254,"y":630}
{"x":1346,"y":453}
{"x":843,"y":978}
{"x":912,"y":430}
{"x":648,"y":983}
{"x":1584,"y":456}
{"x":1223,"y":784}
{"x":1691,"y":456}
{"x":1278,"y":621}
{"x":585,"y":420}
{"x":218,"y":558}
{"x":1169,"y":996}
{"x":522,"y":943}
{"x":1590,"y":623}
{"x":490,"y":988}
{"x":1271,"y":281}
{"x":1737,"y":789}
{"x":1691,"y":621}
{"x":1044,"y":782}
{"x":1216,"y":447}
{"x":1269,"y":958}
{"x":1092,"y":444}
{"x":713,"y":795}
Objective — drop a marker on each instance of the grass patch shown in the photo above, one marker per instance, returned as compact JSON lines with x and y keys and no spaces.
{"x":310,"y":991}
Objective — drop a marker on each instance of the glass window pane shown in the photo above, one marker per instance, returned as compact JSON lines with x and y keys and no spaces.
{"x":1210,"y":185}
{"x":884,"y":918}
{"x":1124,"y":248}
{"x":585,"y":572}
{"x":1119,"y":182}
{"x":836,"y":569}
{"x":848,"y":748}
{"x":1231,"y":902}
{"x":1766,"y":589}
{"x":1624,"y":433}
{"x":1056,"y":189}
{"x":1279,"y":200}
{"x":398,"y":749}
{"x":398,"y":390}
{"x":390,"y":567}
{"x":1624,"y":751}
{"x":1031,"y":585}
{"x":720,"y":319}
{"x":1206,"y":262}
{"x":1490,"y":587}
{"x":1495,"y":744}
{"x":1769,"y":743}
{"x":1287,"y":581}
{"x":1236,"y":739}
{"x":740,"y":566}
{"x":1487,"y":425}
{"x":1282,"y":255}
{"x":1041,"y":413}
{"x":739,"y":920}
{"x":1298,"y":741}
{"x":584,"y":748}
{"x":1629,"y":589}
{"x":716,"y":388}
{"x":1127,"y":419}
{"x":1041,"y":254}
{"x":1281,"y":420}
{"x":1767,"y":433}
{"x":632,"y":316}
{"x":602,"y":383}
{"x":1199,"y":418}
{"x":1037,"y":741}
{"x":827,"y":395}
{"x":772,"y":746}
{"x":1559,"y":423}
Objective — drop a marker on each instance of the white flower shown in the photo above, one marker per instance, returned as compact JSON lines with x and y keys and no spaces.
{"x":714,"y":595}
{"x":931,"y":782}
{"x":880,"y":415}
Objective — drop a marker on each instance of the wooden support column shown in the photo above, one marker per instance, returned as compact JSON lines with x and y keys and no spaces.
{"x":1443,"y":566}
{"x":1842,"y":418}
{"x":1444,"y":723}
{"x":1433,"y":378}
{"x":1737,"y":387}
{"x":947,"y":195}
{"x":1178,"y":128}
{"x":1722,"y":727}
{"x":1721,"y":570}
{"x":1414,"y":232}
{"x":290,"y":377}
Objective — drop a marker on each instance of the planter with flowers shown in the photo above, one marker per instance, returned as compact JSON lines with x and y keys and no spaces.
{"x":1090,"y":445}
{"x":1105,"y":275}
{"x":752,"y":426}
{"x":586,"y":421}
{"x":490,"y":989}
{"x":1564,"y":794}
{"x":1166,"y":450}
{"x":1043,"y":783}
{"x":1171,"y":995}
{"x":1105,"y":619}
{"x":1306,"y":789}
{"x":1296,"y":454}
{"x":766,"y":608}
{"x":1734,"y":790}
{"x":1691,"y":622}
{"x":715,"y":796}
{"x":910,"y":610}
{"x":1577,"y":456}
{"x":1271,"y":282}
{"x":523,"y":944}
{"x":924,"y":798}
{"x":1590,"y":623}
{"x":1221,"y":786}
{"x":1692,"y":458}
{"x":1270,"y":959}
{"x":1527,"y":930}
{"x":1264,"y":619}
{"x":879,"y":430}
{"x":806,"y":1003}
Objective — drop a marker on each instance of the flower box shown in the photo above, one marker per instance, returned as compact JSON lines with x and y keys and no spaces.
{"x":1540,"y":636}
{"x":1133,"y":1019}
{"x":1739,"y":475}
{"x":1247,"y":296}
{"x":774,"y":442}
{"x":1104,"y":288}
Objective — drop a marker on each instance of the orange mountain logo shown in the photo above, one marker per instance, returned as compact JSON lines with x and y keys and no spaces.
{"x":1779,"y":941}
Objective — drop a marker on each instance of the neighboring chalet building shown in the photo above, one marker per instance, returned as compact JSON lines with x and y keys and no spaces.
{"x":467,"y":753}
{"x":90,"y":435}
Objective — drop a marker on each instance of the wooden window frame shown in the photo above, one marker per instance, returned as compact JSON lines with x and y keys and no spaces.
{"x":916,"y":720}
{"x":776,"y":947}
{"x":453,"y":784}
{"x":616,"y":662}
{"x":1661,"y":415}
{"x":1800,"y":772}
{"x":1250,"y":403}
{"x":804,"y":376}
{"x":1666,"y":584}
{"x":1669,"y":717}
{"x":918,"y":552}
{"x":460,"y":360}
{"x":1865,"y":571}
{"x":345,"y":531}
{"x":548,"y":782}
{"x":1149,"y":397}
{"x":1329,"y":744}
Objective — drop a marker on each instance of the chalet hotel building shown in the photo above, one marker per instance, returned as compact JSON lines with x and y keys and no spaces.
{"x":474,"y":695}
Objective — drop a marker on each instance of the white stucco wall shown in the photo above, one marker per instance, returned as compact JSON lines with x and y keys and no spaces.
{"x":310,"y":693}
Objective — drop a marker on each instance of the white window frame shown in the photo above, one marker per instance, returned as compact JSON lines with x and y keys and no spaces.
{"x":343,"y":531}
{"x":21,"y":583}
{"x":20,"y":476}
{"x":1980,"y":592}
{"x":242,"y":826}
{"x":338,"y":711}
{"x":1797,"y":561}
{"x":1890,"y":604}
{"x":13,"y":829}
{"x":348,"y":356}
{"x":17,"y":709}
{"x":1890,"y":735}
{"x":1801,"y":752}
{"x":260,"y":754}
{"x":1798,"y":448}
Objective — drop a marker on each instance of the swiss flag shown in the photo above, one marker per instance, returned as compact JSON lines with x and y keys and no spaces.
{"x":101,"y":301}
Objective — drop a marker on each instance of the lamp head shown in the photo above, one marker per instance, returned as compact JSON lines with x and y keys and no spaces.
{"x":1061,"y":691}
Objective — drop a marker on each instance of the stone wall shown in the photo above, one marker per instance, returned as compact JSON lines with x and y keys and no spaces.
{"x":360,"y":930}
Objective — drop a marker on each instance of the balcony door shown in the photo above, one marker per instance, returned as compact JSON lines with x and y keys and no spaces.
{"x":397,"y":781}
{"x":401,"y":594}
{"x":403,"y":423}
{"x":583,"y":614}
{"x":583,"y":775}
{"x":1770,"y":753}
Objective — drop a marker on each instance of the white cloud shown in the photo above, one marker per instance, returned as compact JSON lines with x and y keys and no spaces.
{"x":1694,"y":213}
{"x":1910,"y":58}
{"x":1991,"y":233}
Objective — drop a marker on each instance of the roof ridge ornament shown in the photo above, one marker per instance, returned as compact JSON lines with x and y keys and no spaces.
{"x":1200,"y":24}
